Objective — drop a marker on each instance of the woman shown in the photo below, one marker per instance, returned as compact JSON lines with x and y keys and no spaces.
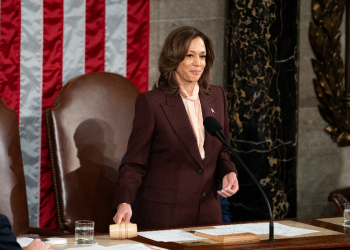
{"x":171,"y":162}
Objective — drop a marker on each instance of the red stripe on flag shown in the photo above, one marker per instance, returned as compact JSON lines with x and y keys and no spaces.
{"x":138,"y":43}
{"x":10,"y":49}
{"x":95,"y":36}
{"x":52,"y":83}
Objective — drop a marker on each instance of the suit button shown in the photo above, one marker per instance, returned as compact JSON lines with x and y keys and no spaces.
{"x":200,"y":171}
{"x":203,"y":194}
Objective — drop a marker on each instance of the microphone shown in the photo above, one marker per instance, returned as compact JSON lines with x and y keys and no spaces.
{"x":214,"y":128}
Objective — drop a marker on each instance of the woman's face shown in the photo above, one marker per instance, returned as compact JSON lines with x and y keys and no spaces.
{"x":191,"y":68}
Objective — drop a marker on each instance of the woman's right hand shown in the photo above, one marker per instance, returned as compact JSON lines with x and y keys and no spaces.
{"x":123,"y":214}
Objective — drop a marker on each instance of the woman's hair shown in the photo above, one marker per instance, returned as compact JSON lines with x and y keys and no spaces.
{"x":174,"y":50}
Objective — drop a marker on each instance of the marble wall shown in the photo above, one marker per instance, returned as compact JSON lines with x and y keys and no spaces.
{"x":322,"y":166}
{"x":262,"y":92}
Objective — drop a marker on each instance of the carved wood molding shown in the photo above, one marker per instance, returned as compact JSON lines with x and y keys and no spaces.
{"x":331,"y":91}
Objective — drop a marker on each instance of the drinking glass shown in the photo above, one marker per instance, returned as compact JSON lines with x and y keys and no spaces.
{"x":347,"y":214}
{"x":84,"y":231}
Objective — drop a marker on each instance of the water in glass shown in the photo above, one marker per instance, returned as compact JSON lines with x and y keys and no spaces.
{"x":347,"y":217}
{"x":84,"y":232}
{"x":84,"y":235}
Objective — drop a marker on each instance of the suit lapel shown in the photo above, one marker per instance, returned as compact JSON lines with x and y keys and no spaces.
{"x":175,"y":111}
{"x":209,"y":108}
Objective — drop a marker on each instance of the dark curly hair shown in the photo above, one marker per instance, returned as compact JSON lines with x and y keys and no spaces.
{"x":174,"y":51}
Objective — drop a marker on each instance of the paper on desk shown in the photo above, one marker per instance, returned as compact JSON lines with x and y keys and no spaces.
{"x":137,"y":246}
{"x":56,"y":240}
{"x":24,"y":241}
{"x":169,"y":235}
{"x":129,"y":247}
{"x":257,"y":228}
{"x":94,"y":247}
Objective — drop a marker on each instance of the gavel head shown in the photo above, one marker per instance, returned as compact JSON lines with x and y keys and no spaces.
{"x":122,"y":231}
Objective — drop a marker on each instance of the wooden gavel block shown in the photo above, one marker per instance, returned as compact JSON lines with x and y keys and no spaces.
{"x":242,"y":238}
{"x":122,"y":231}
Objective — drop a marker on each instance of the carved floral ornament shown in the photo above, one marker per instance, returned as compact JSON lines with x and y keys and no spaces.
{"x":333,"y":94}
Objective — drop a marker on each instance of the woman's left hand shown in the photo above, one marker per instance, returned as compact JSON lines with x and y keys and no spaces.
{"x":229,"y":185}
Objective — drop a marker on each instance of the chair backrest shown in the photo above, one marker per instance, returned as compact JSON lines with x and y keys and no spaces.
{"x":338,"y":198}
{"x":13,"y":197}
{"x":88,"y":130}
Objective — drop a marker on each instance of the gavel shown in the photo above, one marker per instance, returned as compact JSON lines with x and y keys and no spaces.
{"x":122,"y":231}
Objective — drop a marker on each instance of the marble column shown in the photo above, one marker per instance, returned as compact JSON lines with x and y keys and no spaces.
{"x":262,"y":85}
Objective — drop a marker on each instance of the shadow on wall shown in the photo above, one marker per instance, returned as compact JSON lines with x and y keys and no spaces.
{"x":92,"y":184}
{"x":14,"y":184}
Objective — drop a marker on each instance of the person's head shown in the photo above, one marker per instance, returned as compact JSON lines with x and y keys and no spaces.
{"x":174,"y":51}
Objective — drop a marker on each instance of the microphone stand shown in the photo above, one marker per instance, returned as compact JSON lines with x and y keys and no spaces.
{"x":254,"y":179}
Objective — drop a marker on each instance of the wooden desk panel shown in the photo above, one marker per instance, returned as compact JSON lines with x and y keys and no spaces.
{"x":331,"y":236}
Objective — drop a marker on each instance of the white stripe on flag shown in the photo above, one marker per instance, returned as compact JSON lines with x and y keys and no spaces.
{"x":30,"y":103}
{"x":73,"y":39}
{"x":115,"y":44}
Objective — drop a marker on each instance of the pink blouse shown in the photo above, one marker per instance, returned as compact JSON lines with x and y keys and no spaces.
{"x":194,"y":112}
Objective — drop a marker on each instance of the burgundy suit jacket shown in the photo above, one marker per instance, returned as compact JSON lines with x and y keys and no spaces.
{"x":175,"y":187}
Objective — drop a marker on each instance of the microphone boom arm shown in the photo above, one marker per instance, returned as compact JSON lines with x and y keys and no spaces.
{"x":271,"y":233}
{"x":214,"y":128}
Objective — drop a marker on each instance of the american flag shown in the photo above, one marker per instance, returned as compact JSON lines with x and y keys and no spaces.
{"x":45,"y":43}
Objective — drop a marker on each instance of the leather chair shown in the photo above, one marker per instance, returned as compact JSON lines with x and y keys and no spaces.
{"x":339,"y":197}
{"x":13,"y":197}
{"x":88,"y":129}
